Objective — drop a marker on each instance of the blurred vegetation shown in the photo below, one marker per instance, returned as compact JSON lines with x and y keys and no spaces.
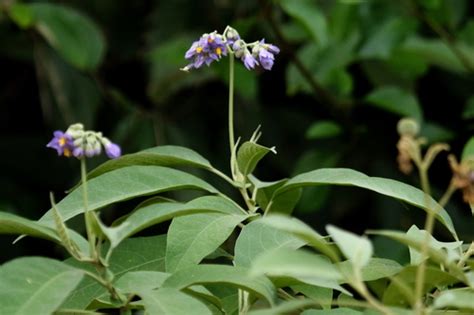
{"x":348,"y":70}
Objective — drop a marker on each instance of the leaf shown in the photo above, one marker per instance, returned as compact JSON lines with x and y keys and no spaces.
{"x":167,"y":155}
{"x":395,"y":294}
{"x":336,"y":311}
{"x":153,"y":213}
{"x":140,"y":281}
{"x":386,"y":37}
{"x":300,"y":265}
{"x":320,"y":295}
{"x":388,"y":187}
{"x":285,"y":203}
{"x":323,"y":129}
{"x":21,"y":14}
{"x":356,"y":248}
{"x":73,"y":35}
{"x":468,"y":151}
{"x":171,"y":301}
{"x":468,"y":112}
{"x":134,"y":254}
{"x":376,"y":268}
{"x":235,"y":276}
{"x":249,"y":154}
{"x":395,"y":100}
{"x":257,"y":238}
{"x":16,"y":225}
{"x":460,"y":299}
{"x":191,"y":238}
{"x":284,"y":308}
{"x":35,"y":285}
{"x":123,"y":184}
{"x":302,"y":231}
{"x":309,"y":16}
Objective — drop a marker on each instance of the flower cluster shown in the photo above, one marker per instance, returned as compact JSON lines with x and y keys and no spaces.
{"x":78,"y":142}
{"x":211,"y":47}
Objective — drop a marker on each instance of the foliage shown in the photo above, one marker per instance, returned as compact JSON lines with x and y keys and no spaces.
{"x":190,"y":238}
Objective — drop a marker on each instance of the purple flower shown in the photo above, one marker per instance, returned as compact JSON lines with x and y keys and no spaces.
{"x":209,"y":48}
{"x":265,"y":53}
{"x":63,"y":143}
{"x":249,"y":61}
{"x":113,"y":151}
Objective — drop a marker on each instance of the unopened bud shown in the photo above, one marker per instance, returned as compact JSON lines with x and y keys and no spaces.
{"x":408,"y":127}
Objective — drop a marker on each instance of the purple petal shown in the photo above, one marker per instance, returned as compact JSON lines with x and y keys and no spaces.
{"x":113,"y":151}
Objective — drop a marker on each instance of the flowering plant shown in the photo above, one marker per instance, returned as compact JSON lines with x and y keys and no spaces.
{"x":226,"y":256}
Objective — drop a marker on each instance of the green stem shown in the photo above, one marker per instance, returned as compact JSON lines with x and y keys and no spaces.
{"x":429,"y":227}
{"x":447,"y":195}
{"x":231,"y":115}
{"x":90,"y":233}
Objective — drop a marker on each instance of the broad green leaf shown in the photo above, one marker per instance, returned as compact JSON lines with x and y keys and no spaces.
{"x":434,"y":132}
{"x":357,"y":249}
{"x":397,"y":101}
{"x":228,"y":296}
{"x":223,"y":274}
{"x":167,"y":155}
{"x":249,"y":154}
{"x":375,"y":269}
{"x":320,"y":295}
{"x":436,"y":254}
{"x":468,"y":151}
{"x":153,"y":213}
{"x":460,"y":299}
{"x":123,"y":184}
{"x":285,"y":203}
{"x":299,"y":265}
{"x":21,"y":14}
{"x":35,"y":285}
{"x":16,"y":225}
{"x":191,"y":238}
{"x":398,"y":292}
{"x":386,"y":37}
{"x":302,"y":231}
{"x":323,"y":129}
{"x":388,"y":187}
{"x":257,"y":238}
{"x":307,"y":13}
{"x":134,"y":254}
{"x":73,"y":35}
{"x":452,"y":248}
{"x":167,"y":301}
{"x":140,"y":281}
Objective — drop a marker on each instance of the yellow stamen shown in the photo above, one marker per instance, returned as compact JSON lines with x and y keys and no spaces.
{"x":199,"y":50}
{"x":218,"y":51}
{"x":67,"y":152}
{"x":62,"y":141}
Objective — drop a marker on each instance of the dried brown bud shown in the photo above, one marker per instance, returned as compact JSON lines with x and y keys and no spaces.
{"x":463,"y":178}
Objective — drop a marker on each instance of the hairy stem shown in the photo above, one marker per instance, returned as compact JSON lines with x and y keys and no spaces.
{"x":87,"y":215}
{"x":231,"y":115}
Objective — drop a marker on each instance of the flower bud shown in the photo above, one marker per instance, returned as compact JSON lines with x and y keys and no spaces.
{"x":408,"y":127}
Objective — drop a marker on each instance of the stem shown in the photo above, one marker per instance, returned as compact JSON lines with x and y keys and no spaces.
{"x":231,"y":114}
{"x":429,"y":226}
{"x":360,"y":287}
{"x":447,"y":195}
{"x":90,"y":234}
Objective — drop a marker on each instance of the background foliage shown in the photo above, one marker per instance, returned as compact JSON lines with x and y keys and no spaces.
{"x":347,"y":72}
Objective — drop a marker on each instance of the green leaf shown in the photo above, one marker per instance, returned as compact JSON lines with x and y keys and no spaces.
{"x":35,"y":285}
{"x":168,"y":155}
{"x":468,"y":151}
{"x":286,"y":307}
{"x":320,"y":295}
{"x":285,"y":203}
{"x":302,"y":231}
{"x":336,"y":311}
{"x":357,"y":249}
{"x":395,"y":294}
{"x":235,"y":276}
{"x":153,"y":213}
{"x":140,"y":281}
{"x":388,"y":187}
{"x":16,"y":225}
{"x":386,"y":37}
{"x":73,"y":35}
{"x":191,"y":238}
{"x":299,"y":265}
{"x":249,"y":154}
{"x":21,"y":14}
{"x":309,"y":16}
{"x":468,"y":112}
{"x":257,"y":238}
{"x":460,"y":299}
{"x":167,"y":301}
{"x":134,"y":254}
{"x":395,"y":100}
{"x":436,"y":133}
{"x":376,"y":268}
{"x":123,"y":184}
{"x":323,"y":129}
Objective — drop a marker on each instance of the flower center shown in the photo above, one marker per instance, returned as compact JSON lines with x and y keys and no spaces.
{"x":67,"y":152}
{"x":62,"y":141}
{"x":218,"y":51}
{"x":199,"y":50}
